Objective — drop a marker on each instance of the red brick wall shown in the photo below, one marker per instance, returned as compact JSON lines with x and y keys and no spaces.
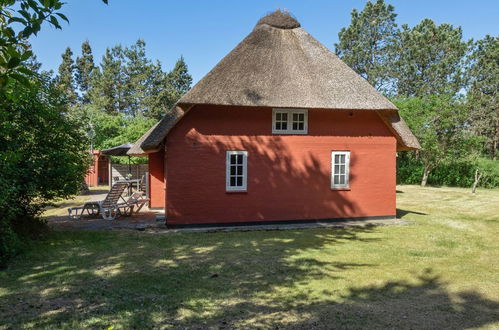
{"x":288,"y":175}
{"x":157,"y":179}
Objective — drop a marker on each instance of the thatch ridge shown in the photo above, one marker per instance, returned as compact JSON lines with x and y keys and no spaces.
{"x":279,"y":19}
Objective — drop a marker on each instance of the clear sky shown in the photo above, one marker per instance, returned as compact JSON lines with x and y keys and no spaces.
{"x":205,"y":31}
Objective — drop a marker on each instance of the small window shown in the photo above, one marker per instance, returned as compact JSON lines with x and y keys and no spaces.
{"x":289,"y":121}
{"x":237,"y":170}
{"x":340,"y":169}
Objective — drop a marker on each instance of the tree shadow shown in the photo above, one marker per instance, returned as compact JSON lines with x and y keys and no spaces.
{"x":224,"y":280}
{"x":159,"y":280}
{"x":99,"y":191}
{"x":424,"y":302}
{"x":272,"y":185}
{"x":289,"y":176}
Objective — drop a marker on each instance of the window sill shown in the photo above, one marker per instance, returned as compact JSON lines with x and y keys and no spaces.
{"x":236,"y":191}
{"x":341,"y":189}
{"x":288,"y":133}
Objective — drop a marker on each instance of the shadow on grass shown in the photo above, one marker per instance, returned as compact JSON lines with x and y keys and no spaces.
{"x":401,"y":213}
{"x":63,"y":205}
{"x":96,"y":191}
{"x":399,"y":304}
{"x":136,"y":280}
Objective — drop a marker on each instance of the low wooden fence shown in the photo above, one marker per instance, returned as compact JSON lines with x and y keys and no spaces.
{"x":120,"y":171}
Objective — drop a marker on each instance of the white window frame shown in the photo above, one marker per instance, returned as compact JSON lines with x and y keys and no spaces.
{"x":290,"y":113}
{"x":228,"y":164}
{"x":346,"y":185}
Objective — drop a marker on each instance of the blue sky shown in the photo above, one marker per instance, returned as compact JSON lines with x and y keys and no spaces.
{"x":205,"y":31}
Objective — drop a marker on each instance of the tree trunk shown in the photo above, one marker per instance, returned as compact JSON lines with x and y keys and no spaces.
{"x":426,"y":172}
{"x":494,"y":150}
{"x":478,"y":176}
{"x":495,"y":142}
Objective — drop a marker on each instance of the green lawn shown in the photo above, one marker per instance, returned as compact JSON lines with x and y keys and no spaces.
{"x":441,"y":271}
{"x":60,"y":207}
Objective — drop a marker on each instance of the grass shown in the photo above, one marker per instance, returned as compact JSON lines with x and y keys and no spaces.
{"x":441,"y":271}
{"x":60,"y":207}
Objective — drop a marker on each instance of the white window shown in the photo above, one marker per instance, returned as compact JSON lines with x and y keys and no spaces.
{"x":340,"y":169}
{"x":237,"y":171}
{"x":289,"y":121}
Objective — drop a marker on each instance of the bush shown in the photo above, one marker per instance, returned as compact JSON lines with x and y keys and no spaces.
{"x":455,"y":173}
{"x":42,"y":157}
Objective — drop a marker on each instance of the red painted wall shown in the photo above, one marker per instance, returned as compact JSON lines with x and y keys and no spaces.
{"x":98,"y":171}
{"x":288,"y":175}
{"x":157,"y":179}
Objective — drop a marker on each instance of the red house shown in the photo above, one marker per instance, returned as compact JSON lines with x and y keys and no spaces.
{"x":279,"y":130}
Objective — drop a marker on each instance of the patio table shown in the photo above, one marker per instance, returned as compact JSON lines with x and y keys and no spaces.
{"x":130,"y":183}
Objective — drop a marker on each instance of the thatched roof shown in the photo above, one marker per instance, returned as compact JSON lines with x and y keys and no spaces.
{"x":280,"y":65}
{"x":152,"y":140}
{"x":279,"y":19}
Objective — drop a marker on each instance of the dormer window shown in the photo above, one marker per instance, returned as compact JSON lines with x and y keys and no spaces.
{"x":289,"y":121}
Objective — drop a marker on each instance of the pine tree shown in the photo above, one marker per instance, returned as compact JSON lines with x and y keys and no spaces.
{"x":483,"y":75}
{"x":430,"y":59}
{"x":367,"y":45}
{"x":138,"y":73}
{"x":180,"y":78}
{"x":65,"y":78}
{"x":129,"y":83}
{"x":84,"y":68}
{"x":166,"y":89}
{"x":108,"y":81}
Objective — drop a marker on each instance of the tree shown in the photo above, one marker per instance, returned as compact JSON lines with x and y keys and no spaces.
{"x":430,"y":59}
{"x":439,"y":122}
{"x":367,"y":45}
{"x":42,"y":157}
{"x":138,"y":77}
{"x":483,"y":76}
{"x":14,"y":47}
{"x":108,"y":82}
{"x":65,"y":78}
{"x":167,"y":89}
{"x":84,"y":68}
{"x":180,"y":78}
{"x":111,"y":129}
{"x":128,"y":82}
{"x":485,"y":169}
{"x":41,"y":150}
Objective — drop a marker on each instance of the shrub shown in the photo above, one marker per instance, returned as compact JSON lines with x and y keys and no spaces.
{"x":42,"y":157}
{"x":449,"y":173}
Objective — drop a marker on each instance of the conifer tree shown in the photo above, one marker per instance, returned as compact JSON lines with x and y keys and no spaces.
{"x":138,"y":72}
{"x":107,"y":84}
{"x":65,"y":78}
{"x":367,"y":45}
{"x":84,"y":68}
{"x":180,"y":78}
{"x":167,"y":89}
{"x":483,"y":75}
{"x":431,"y":58}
